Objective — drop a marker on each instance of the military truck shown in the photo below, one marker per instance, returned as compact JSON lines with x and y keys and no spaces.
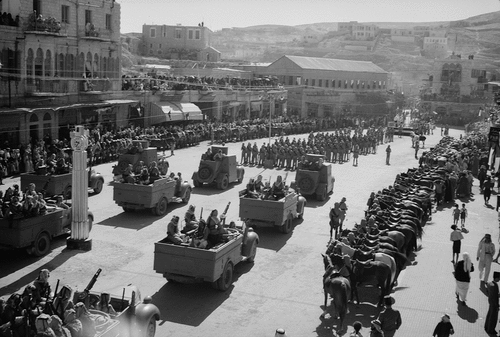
{"x":314,"y":177}
{"x":277,"y":213}
{"x":186,"y":264}
{"x":155,"y":196}
{"x":140,"y":151}
{"x":35,"y":233}
{"x":217,"y":169}
{"x":52,"y":184}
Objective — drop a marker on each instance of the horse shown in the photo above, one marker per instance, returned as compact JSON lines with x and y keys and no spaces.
{"x":382,"y":257}
{"x":339,"y":289}
{"x":369,"y":270}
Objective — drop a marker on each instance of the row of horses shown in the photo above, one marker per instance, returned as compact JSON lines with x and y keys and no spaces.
{"x":380,"y":247}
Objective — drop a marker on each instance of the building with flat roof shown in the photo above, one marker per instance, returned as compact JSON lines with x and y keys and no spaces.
{"x":179,"y":42}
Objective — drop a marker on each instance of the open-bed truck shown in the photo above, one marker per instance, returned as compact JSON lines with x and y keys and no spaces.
{"x":155,"y":196}
{"x":35,"y":233}
{"x":185,"y":264}
{"x":277,"y":213}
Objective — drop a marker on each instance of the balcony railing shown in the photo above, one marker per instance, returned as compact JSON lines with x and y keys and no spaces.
{"x":42,"y":24}
{"x":94,"y":33}
{"x":57,"y":87}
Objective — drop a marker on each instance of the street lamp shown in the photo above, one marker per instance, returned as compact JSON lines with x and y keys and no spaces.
{"x":271,"y":95}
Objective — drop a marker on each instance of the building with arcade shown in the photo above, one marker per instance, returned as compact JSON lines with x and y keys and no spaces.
{"x":60,"y":66}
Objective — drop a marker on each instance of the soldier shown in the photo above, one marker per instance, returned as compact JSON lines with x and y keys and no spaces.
{"x":190,"y":220}
{"x":288,"y":158}
{"x":262,"y":155}
{"x":255,"y":153}
{"x":173,"y":234}
{"x":243,"y":154}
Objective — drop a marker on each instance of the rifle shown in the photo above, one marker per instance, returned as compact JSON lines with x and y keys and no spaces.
{"x":50,"y":302}
{"x":225,"y":212}
{"x":89,"y":286}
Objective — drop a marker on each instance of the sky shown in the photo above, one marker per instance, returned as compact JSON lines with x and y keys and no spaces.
{"x":218,"y":14}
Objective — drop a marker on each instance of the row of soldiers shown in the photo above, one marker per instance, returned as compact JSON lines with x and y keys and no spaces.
{"x":336,"y":146}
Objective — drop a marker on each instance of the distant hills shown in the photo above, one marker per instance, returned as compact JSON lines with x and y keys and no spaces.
{"x":478,"y":35}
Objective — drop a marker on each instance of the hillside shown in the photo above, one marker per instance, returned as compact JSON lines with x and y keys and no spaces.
{"x":478,"y":36}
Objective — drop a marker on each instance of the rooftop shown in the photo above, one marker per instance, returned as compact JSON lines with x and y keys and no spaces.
{"x":319,"y":63}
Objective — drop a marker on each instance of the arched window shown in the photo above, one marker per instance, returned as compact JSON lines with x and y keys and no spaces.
{"x":95,"y":69}
{"x":39,"y":62}
{"x":60,"y":67}
{"x":47,"y":124}
{"x":70,"y":65}
{"x":33,"y":125}
{"x":111,"y":68}
{"x":88,"y":65}
{"x":29,"y":63}
{"x":80,"y":66}
{"x":104,"y":65}
{"x":48,"y":63}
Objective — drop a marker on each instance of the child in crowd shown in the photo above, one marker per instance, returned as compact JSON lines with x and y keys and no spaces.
{"x":444,"y":328}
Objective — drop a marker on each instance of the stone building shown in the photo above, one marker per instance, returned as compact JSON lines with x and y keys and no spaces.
{"x":60,"y":67}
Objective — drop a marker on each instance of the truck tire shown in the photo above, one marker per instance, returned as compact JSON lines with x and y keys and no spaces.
{"x":41,"y":246}
{"x":67,"y":192}
{"x":150,"y":328}
{"x":205,"y":173}
{"x":187,"y":196}
{"x":161,"y":207}
{"x":98,"y":186}
{"x":287,"y":226}
{"x":224,"y":183}
{"x":306,"y":185}
{"x":226,"y":279}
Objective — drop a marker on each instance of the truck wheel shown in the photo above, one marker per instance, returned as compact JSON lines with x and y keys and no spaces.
{"x":205,"y":173}
{"x":226,"y":279}
{"x":42,"y":244}
{"x":98,"y":186}
{"x":253,"y":252}
{"x":151,"y":328}
{"x":321,"y":196}
{"x":306,"y":185}
{"x":161,"y":207}
{"x":224,"y":183}
{"x":67,"y":193}
{"x":287,"y":227}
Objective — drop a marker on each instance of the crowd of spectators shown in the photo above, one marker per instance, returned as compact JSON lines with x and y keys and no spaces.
{"x":205,"y":83}
{"x":105,"y":145}
{"x":6,"y":19}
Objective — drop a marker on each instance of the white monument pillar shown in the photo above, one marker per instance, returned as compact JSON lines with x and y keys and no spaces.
{"x":80,"y":226}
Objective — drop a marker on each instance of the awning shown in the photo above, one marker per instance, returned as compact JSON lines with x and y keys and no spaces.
{"x":191,"y":111}
{"x":170,"y":112}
